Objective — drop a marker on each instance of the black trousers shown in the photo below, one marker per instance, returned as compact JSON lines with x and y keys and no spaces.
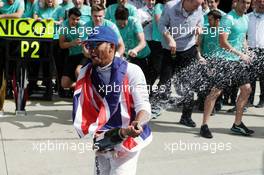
{"x":60,"y":56}
{"x":2,"y":60}
{"x":176,"y":65}
{"x":155,"y":59}
{"x":257,"y":72}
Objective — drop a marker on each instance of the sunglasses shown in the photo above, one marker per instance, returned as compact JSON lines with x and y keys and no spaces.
{"x":93,"y":45}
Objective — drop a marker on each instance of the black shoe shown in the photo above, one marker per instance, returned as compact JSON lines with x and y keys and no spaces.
{"x":187,"y":121}
{"x":205,"y":132}
{"x":260,"y":104}
{"x":241,"y":129}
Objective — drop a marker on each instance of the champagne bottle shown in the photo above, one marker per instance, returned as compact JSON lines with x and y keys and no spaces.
{"x":107,"y":140}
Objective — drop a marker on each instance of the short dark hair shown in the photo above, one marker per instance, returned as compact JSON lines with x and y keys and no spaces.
{"x":121,"y":13}
{"x":215,"y":13}
{"x":217,"y":1}
{"x":97,"y":7}
{"x":74,"y":11}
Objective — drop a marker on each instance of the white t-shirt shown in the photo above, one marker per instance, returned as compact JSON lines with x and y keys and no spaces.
{"x":255,"y":30}
{"x":137,"y":84}
{"x":145,"y":14}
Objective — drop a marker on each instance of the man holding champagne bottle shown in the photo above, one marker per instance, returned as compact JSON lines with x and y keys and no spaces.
{"x":111,"y":104}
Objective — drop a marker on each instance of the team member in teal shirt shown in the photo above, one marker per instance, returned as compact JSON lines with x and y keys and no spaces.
{"x":64,"y":8}
{"x":110,"y":11}
{"x":156,"y":36}
{"x":213,"y":5}
{"x":156,"y":48}
{"x":209,"y":40}
{"x":70,"y":39}
{"x":232,"y":68}
{"x":209,"y":48}
{"x":97,"y":19}
{"x":237,"y":27}
{"x":47,"y":10}
{"x":132,"y":33}
{"x":29,"y":8}
{"x":84,"y":9}
{"x":12,"y":9}
{"x":145,"y":17}
{"x":155,"y":58}
{"x":232,"y":40}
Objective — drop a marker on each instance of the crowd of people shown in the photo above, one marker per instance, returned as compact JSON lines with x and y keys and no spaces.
{"x":147,"y":37}
{"x":168,"y":40}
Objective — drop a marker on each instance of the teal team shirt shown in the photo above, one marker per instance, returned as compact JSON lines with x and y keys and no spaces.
{"x":70,"y":34}
{"x":210,"y":47}
{"x":86,"y":13}
{"x":129,"y":35}
{"x":206,"y":23}
{"x":110,"y":11}
{"x":156,"y":35}
{"x":29,"y":9}
{"x":9,"y":9}
{"x":236,"y":26}
{"x":46,"y":13}
{"x":63,"y":9}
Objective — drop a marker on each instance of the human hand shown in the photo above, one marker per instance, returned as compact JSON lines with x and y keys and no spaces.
{"x":202,"y":60}
{"x":132,"y":53}
{"x":76,"y":42}
{"x":58,"y":22}
{"x":247,"y":59}
{"x":172,"y":46}
{"x":131,"y":131}
{"x":85,"y":51}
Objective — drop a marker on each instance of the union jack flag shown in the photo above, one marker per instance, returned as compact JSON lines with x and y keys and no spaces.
{"x":94,"y":111}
